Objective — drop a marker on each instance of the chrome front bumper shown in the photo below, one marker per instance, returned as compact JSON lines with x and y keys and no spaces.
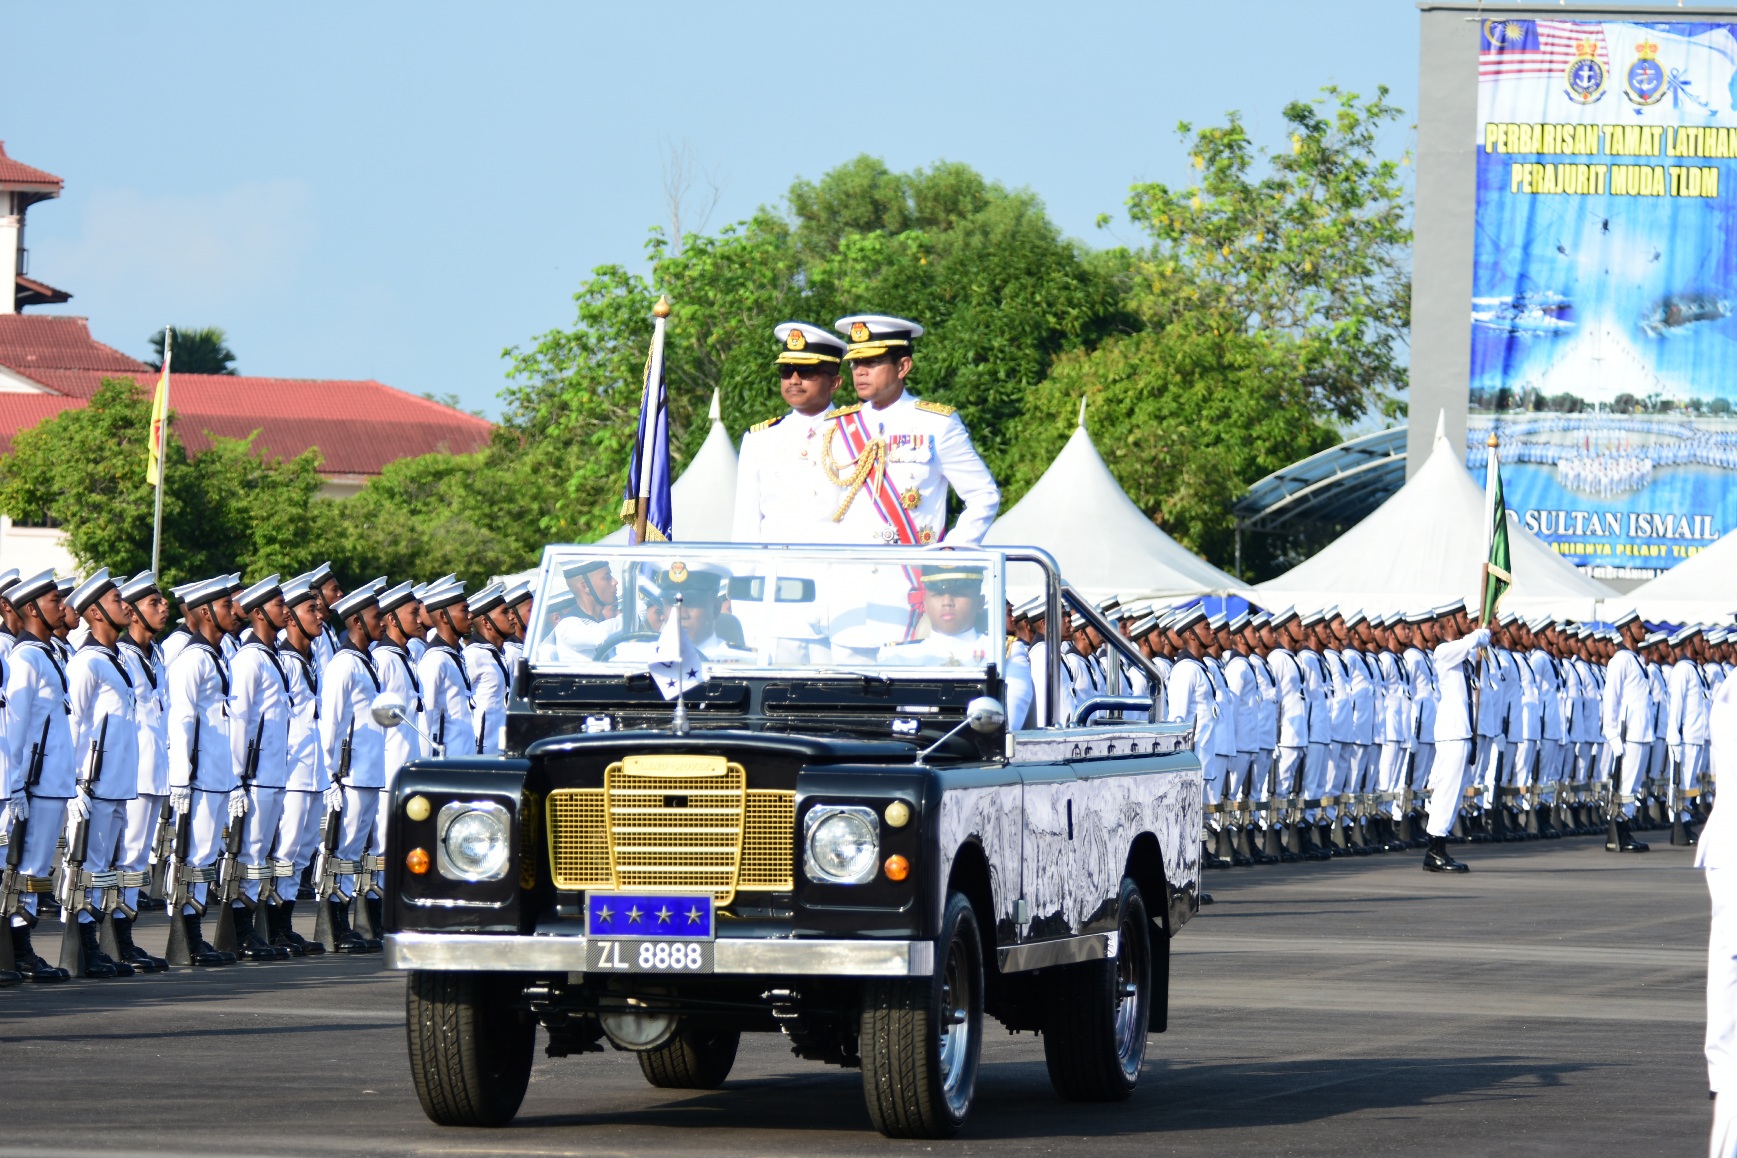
{"x":480,"y":952}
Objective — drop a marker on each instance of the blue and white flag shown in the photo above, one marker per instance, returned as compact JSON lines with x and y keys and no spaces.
{"x":648,"y":478}
{"x":676,"y":665}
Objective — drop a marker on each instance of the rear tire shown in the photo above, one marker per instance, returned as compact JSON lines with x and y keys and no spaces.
{"x":1094,"y":1035}
{"x":691,"y":1060}
{"x":470,"y":1046}
{"x":921,"y":1037}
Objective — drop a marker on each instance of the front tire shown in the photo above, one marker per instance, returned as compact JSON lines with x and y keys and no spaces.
{"x":470,"y":1046}
{"x":921,"y":1038}
{"x":1094,"y":1036}
{"x":691,"y":1060}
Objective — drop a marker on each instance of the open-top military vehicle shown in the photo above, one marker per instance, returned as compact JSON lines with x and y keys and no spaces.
{"x":831,"y":832}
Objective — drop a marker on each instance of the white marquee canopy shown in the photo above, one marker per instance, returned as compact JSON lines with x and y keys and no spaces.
{"x":1424,"y":547}
{"x":1105,"y":544}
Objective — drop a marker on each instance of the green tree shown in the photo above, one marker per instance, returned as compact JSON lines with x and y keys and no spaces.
{"x":998,"y":289}
{"x":198,"y":350}
{"x":1184,"y":417}
{"x":1312,"y":258}
{"x":224,"y":510}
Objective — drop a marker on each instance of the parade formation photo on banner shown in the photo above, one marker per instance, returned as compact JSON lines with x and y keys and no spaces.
{"x":912,"y":656}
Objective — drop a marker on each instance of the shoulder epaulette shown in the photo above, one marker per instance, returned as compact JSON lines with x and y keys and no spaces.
{"x":940,"y":408}
{"x":767,"y":425}
{"x":842,"y":411}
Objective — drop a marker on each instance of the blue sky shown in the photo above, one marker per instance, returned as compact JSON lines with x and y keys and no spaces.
{"x":400,"y":190}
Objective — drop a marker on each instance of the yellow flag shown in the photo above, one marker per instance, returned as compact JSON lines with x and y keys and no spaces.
{"x":159,"y":405}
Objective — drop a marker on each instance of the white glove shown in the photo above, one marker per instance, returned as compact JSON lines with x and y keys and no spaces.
{"x":19,"y":809}
{"x":334,"y":798}
{"x":237,"y":803}
{"x":181,"y":799}
{"x":78,"y":807}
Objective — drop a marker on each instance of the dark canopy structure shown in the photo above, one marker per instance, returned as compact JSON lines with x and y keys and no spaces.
{"x":1341,"y":485}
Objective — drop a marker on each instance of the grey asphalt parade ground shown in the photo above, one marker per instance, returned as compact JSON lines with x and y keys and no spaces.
{"x":1550,"y":1002}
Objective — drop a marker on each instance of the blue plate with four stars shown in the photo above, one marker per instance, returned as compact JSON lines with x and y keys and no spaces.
{"x":649,"y":915}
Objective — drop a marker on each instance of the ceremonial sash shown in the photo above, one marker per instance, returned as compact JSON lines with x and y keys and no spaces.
{"x":870,"y":475}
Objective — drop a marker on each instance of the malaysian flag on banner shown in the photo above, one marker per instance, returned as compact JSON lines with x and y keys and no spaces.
{"x":1511,"y":48}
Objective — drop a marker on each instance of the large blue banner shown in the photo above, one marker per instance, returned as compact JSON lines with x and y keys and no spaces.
{"x":1604,"y":353}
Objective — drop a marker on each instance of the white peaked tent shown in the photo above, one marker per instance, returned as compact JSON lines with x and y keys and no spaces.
{"x":1105,"y":544}
{"x":703,"y":499}
{"x":1698,"y":590}
{"x":1425,"y":546}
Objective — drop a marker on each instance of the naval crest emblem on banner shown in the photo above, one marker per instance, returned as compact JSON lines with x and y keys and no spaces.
{"x":1646,"y":76}
{"x":1586,"y":77}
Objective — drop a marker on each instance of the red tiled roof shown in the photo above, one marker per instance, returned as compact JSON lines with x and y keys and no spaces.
{"x":30,"y":342}
{"x":358,"y":427}
{"x":22,"y":411}
{"x":17,"y":173}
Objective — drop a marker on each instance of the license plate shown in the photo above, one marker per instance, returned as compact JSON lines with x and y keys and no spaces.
{"x":649,"y":917}
{"x":631,"y":955}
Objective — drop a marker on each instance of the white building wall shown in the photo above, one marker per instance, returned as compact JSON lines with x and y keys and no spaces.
{"x":34,"y":549}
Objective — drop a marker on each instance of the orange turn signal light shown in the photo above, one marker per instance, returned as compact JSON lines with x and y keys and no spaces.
{"x":897,"y":868}
{"x":416,"y":860}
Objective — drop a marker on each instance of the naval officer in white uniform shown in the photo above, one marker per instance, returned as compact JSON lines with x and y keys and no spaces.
{"x":891,"y":457}
{"x":781,"y":494}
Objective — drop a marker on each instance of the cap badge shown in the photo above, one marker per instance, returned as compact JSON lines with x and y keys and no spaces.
{"x":796,"y":341}
{"x":678,"y":572}
{"x":859,"y":332}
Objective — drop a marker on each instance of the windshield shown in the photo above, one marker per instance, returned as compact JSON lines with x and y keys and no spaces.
{"x":850,"y":609}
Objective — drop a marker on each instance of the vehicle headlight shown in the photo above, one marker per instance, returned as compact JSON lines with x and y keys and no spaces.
{"x":843,"y":844}
{"x":475,"y":840}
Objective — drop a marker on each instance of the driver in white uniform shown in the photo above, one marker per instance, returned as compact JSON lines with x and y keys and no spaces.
{"x":704,"y":592}
{"x":596,"y":616}
{"x":953,"y":608}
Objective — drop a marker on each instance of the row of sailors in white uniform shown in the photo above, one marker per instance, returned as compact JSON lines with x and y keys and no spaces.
{"x":121,"y":729}
{"x":1548,"y":718}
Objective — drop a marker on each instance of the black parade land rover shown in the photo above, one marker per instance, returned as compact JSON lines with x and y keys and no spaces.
{"x":811,"y":791}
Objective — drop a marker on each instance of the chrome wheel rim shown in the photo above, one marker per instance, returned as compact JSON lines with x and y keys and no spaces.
{"x":953,"y":1045}
{"x":1131,"y":979}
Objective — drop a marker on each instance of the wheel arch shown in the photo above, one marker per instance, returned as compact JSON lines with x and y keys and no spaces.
{"x":968,"y":873}
{"x":1146,"y":868}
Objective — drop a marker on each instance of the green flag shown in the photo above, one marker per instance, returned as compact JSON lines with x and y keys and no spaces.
{"x":1497,"y":577}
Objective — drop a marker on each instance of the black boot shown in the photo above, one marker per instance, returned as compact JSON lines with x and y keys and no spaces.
{"x":270,"y":925}
{"x":1437,"y":860}
{"x":248,"y":943}
{"x":1622,"y":839}
{"x":30,"y":966}
{"x":344,"y":939}
{"x":284,"y":933}
{"x":131,"y":953}
{"x":199,"y":949}
{"x":1210,"y":859}
{"x":96,"y":962}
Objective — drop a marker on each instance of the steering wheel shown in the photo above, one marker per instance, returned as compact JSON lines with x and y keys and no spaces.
{"x":608,"y":646}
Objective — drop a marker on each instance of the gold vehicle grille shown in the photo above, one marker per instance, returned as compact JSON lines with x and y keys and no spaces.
{"x":672,"y":823}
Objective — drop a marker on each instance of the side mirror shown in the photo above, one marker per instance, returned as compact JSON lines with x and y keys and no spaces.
{"x":985,"y":714}
{"x":388,"y":709}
